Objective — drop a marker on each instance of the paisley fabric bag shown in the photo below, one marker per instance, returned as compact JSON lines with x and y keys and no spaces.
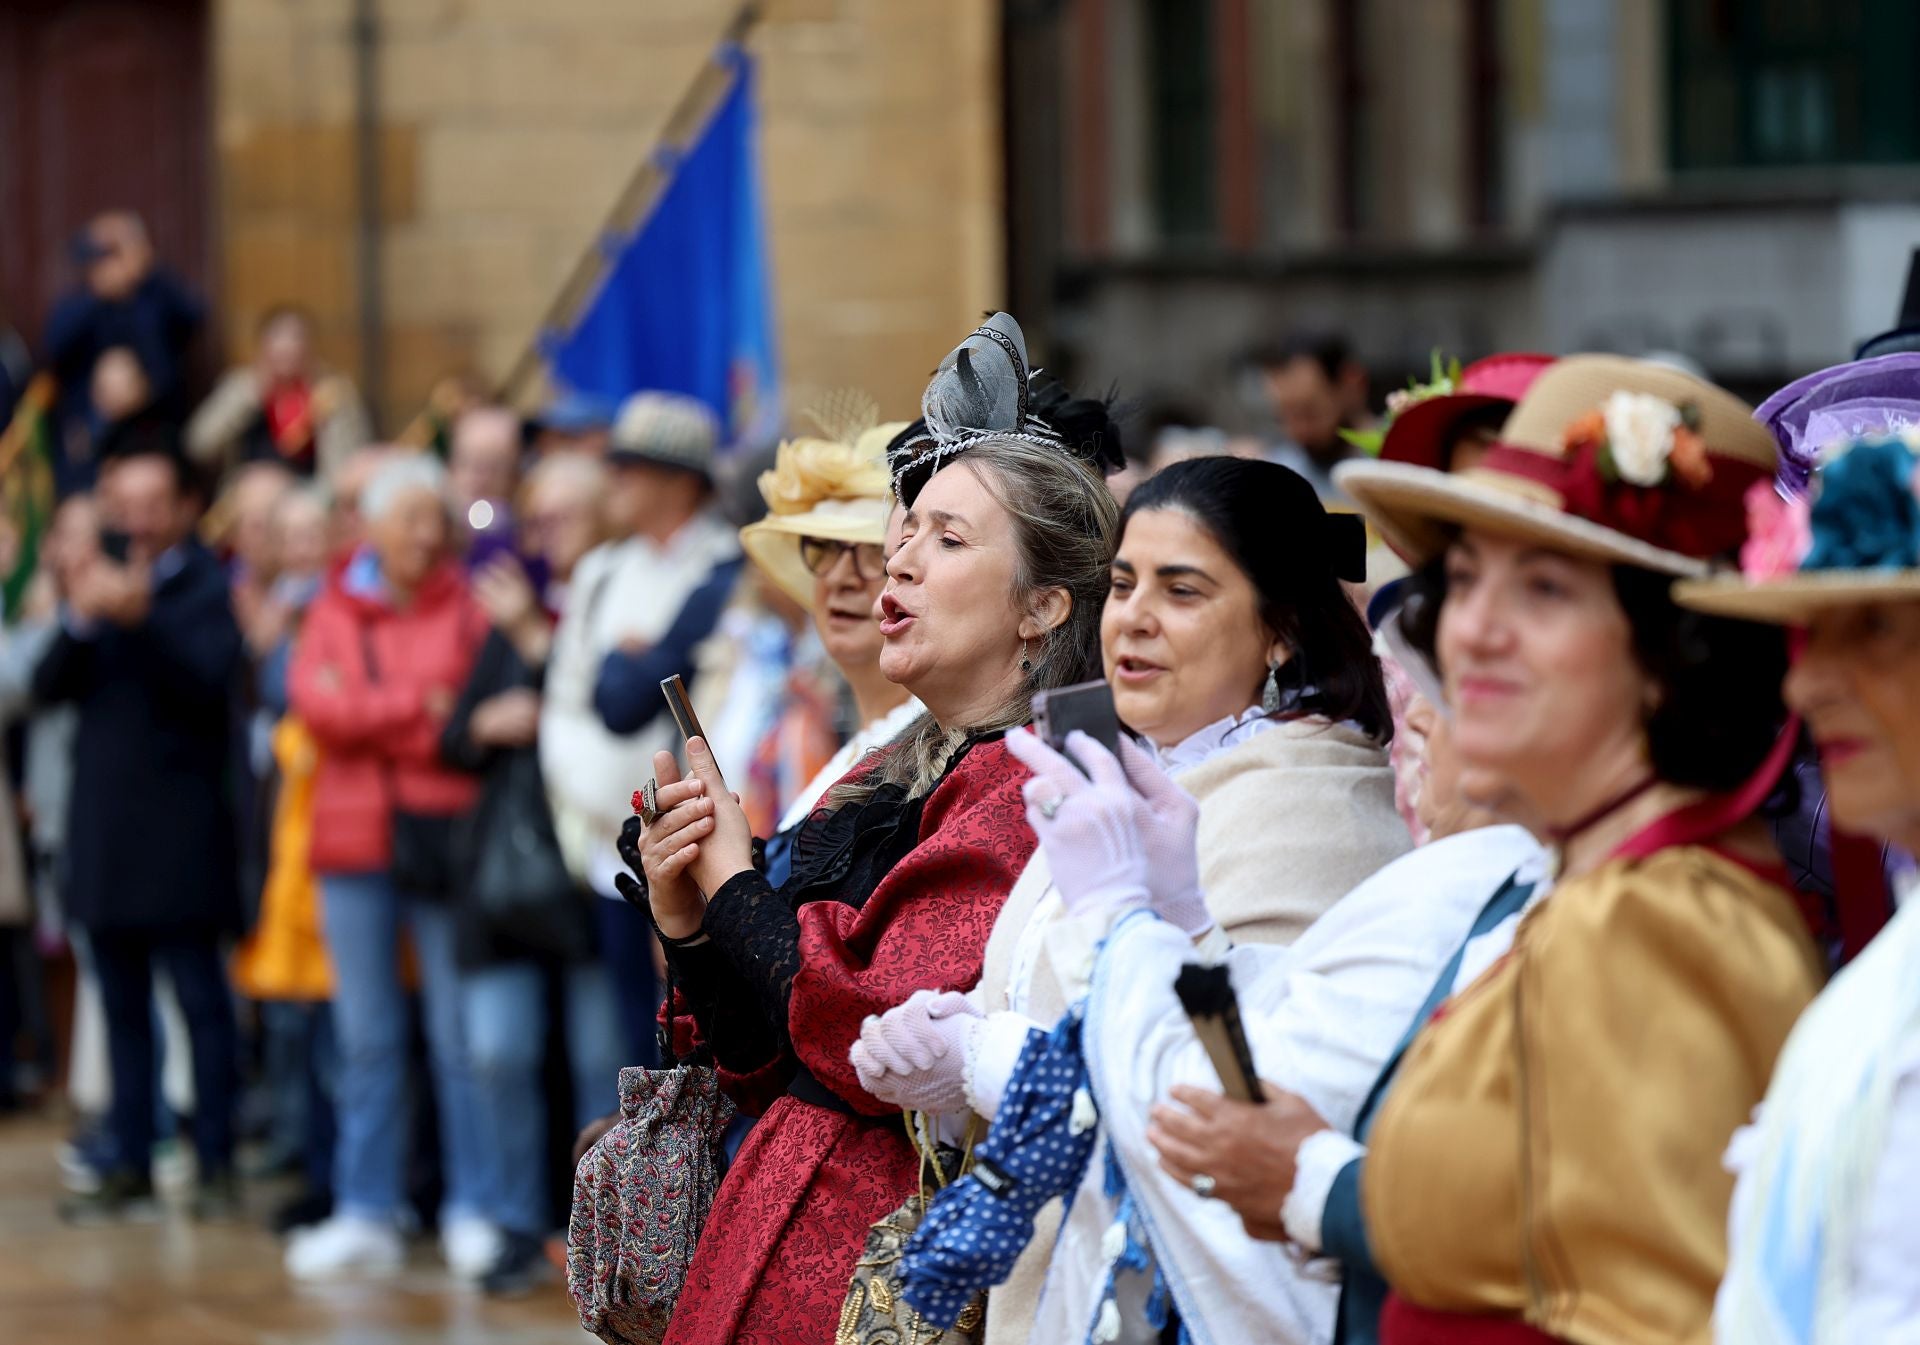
{"x":641,"y":1195}
{"x":874,"y":1312}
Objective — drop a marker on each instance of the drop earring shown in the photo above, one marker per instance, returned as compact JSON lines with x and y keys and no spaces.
{"x":1026,"y":658}
{"x":1270,"y":698}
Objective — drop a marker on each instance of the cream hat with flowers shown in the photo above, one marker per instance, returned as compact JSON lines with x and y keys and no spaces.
{"x":1611,"y":459}
{"x":835,"y":487}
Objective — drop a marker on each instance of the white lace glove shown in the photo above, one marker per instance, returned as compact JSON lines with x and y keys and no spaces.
{"x":1089,"y":825}
{"x":914,"y":1055}
{"x":1169,"y":834}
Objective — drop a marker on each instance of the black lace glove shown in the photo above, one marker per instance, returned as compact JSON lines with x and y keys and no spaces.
{"x":632,"y":887}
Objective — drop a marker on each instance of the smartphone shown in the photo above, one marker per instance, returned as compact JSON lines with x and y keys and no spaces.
{"x":1087,"y":706}
{"x":680,"y":706}
{"x":1206,"y":993}
{"x":115,"y":545}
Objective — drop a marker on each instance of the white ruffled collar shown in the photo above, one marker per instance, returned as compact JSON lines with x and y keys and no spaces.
{"x":1215,"y":738}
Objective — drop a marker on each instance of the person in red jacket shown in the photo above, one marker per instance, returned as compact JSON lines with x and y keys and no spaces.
{"x":384,"y":650}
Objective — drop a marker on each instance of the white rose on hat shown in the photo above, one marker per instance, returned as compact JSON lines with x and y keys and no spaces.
{"x":1640,"y":430}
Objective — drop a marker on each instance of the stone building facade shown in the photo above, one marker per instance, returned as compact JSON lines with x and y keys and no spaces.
{"x":1732,"y":183}
{"x":505,"y":129}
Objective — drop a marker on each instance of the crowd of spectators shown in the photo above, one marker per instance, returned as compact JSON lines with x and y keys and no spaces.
{"x":323,"y":746}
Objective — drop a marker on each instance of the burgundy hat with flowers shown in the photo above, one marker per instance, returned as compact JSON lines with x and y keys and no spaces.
{"x":1608,"y":458}
{"x":1425,"y":416}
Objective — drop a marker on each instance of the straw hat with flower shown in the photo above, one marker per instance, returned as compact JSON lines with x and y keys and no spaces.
{"x":1611,"y":459}
{"x":834,"y":487}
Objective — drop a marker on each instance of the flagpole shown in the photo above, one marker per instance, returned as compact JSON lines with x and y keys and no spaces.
{"x":631,"y":209}
{"x":36,"y":400}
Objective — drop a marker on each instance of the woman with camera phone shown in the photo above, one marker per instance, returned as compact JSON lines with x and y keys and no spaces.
{"x":992,"y":593}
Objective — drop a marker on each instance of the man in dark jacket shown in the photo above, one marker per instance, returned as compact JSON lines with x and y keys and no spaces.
{"x":149,"y":653}
{"x":127,"y":302}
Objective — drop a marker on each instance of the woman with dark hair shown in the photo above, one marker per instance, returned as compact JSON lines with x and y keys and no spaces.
{"x":992,"y":594}
{"x":1233,"y":650}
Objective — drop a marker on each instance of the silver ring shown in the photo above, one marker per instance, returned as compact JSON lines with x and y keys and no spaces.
{"x":1203,"y":1185}
{"x":1048,"y":807}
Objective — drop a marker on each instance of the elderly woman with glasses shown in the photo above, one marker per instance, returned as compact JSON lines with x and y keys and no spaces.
{"x":823,"y":544}
{"x":376,"y":674}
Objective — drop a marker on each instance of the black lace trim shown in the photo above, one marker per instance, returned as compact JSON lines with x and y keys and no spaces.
{"x":754,"y":930}
{"x":727,"y":1013}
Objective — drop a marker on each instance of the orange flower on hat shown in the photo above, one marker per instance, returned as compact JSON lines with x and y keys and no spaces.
{"x":1689,"y":458}
{"x":1588,"y":429}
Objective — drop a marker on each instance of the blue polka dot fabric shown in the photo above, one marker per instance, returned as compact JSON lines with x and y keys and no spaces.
{"x":1038,"y":1149}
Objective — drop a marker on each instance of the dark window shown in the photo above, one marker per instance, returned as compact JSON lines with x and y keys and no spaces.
{"x":1485,"y":118}
{"x":1758,"y":83}
{"x":1180,"y":87}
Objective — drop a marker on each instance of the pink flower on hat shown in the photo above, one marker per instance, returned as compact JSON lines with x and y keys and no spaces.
{"x":1779,"y":533}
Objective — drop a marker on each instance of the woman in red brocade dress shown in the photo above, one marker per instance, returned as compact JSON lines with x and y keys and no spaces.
{"x":994,"y":590}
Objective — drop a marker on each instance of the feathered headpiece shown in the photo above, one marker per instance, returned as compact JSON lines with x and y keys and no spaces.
{"x":984,"y":390}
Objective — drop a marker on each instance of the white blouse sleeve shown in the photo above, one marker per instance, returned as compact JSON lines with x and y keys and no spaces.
{"x":1885,"y":1304}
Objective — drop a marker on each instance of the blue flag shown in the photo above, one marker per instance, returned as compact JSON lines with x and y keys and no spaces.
{"x":685,"y":304}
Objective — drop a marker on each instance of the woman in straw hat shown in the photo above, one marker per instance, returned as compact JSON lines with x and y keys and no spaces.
{"x":823,"y":544}
{"x":1545,"y":1166}
{"x":1825,"y":1245}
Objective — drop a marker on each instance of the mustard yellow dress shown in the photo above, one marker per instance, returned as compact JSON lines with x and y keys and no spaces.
{"x":1551,"y":1151}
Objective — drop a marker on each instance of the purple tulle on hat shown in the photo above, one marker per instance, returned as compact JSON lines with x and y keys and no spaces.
{"x":1863,"y":400}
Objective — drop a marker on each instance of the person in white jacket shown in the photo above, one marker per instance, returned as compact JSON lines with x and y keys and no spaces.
{"x":635,"y":609}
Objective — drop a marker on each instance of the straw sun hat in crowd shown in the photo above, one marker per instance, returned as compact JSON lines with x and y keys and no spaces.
{"x":835,"y":487}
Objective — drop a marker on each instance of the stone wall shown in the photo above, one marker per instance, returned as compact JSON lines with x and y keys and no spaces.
{"x":507,"y":128}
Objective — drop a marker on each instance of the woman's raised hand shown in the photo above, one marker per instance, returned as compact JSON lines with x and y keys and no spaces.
{"x":1089,"y":825}
{"x":727,"y":847}
{"x":1169,"y":833}
{"x":663,"y":852}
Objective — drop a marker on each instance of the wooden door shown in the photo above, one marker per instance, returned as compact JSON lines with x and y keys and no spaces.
{"x":103,"y":106}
